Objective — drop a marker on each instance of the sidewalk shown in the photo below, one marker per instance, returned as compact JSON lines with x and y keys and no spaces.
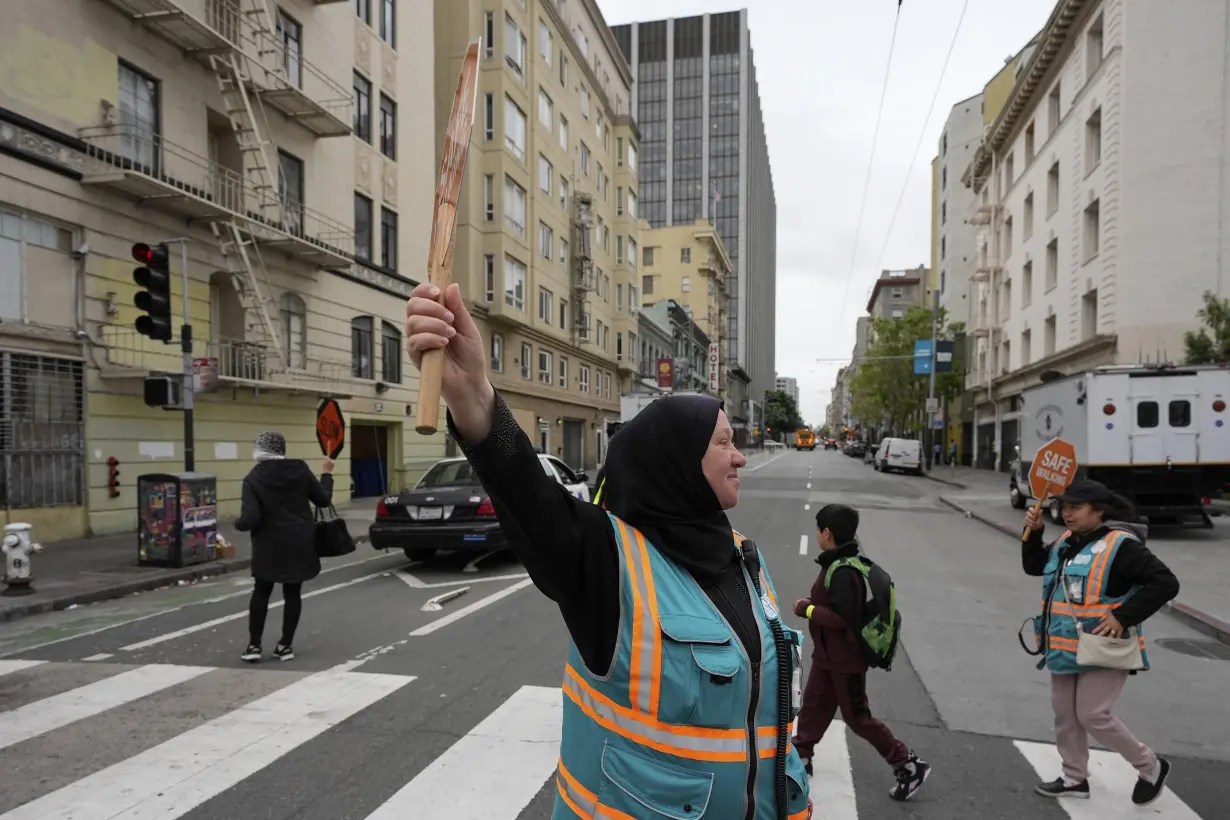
{"x":89,"y":570}
{"x":1199,"y":557}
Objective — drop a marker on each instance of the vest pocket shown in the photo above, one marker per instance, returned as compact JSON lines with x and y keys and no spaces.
{"x":797,"y":785}
{"x":703,"y":682}
{"x":636,"y":785}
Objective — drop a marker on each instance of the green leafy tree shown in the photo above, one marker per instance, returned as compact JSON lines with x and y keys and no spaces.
{"x":780,"y":413}
{"x":826,"y":431}
{"x":885,"y":389}
{"x":1211,"y":343}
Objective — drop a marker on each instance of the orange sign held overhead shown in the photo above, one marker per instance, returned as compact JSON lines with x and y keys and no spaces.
{"x":1052,"y":471}
{"x":330,"y":428}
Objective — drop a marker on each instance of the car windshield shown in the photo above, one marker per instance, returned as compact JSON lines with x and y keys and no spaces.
{"x":448,"y":473}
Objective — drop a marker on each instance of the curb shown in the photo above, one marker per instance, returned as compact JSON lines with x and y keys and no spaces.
{"x":947,"y":481}
{"x":93,"y":596}
{"x":1197,"y":619}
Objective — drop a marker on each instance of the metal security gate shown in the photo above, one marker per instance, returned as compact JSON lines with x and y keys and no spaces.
{"x":42,"y":431}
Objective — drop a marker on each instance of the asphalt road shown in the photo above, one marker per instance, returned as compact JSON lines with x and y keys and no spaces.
{"x":141,"y":708}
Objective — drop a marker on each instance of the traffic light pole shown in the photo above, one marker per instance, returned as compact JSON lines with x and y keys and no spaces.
{"x":185,"y":344}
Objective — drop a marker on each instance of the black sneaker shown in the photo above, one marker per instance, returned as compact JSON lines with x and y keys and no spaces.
{"x":283,"y":652}
{"x":910,"y":777}
{"x":252,"y":654}
{"x":1146,"y":792}
{"x":1058,"y":788}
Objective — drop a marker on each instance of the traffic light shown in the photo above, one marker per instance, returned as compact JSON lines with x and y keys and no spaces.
{"x":155,"y":300}
{"x":113,"y":476}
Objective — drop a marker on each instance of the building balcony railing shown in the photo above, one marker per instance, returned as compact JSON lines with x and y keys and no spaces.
{"x":283,"y":79}
{"x":156,"y":172}
{"x":224,"y":363}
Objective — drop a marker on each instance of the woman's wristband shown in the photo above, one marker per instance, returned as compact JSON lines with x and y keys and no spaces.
{"x":807,"y":614}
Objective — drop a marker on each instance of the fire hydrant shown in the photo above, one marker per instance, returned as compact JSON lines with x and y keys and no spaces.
{"x":17,"y":548}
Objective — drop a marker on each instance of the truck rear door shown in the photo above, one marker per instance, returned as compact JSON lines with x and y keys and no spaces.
{"x":1163,"y":425}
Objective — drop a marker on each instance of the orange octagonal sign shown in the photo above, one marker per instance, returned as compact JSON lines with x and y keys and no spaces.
{"x":1053,"y":469}
{"x":330,"y":428}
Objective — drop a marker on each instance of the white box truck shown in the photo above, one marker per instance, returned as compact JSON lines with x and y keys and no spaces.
{"x":1158,"y":435}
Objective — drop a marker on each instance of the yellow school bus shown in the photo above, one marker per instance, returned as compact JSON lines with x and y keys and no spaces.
{"x":804,"y":440}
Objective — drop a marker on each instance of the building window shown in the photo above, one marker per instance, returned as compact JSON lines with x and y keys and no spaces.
{"x":526,"y":353}
{"x":294,"y":330}
{"x":388,"y":238}
{"x":545,"y":240}
{"x":514,"y":206}
{"x":488,"y":116}
{"x":563,"y":372}
{"x":1052,"y":190}
{"x":290,"y":189}
{"x":140,"y":116}
{"x":44,"y":404}
{"x":489,"y":197}
{"x":1093,"y":141}
{"x":584,"y":159}
{"x":546,"y":113}
{"x":388,"y":22}
{"x":1092,"y":230}
{"x":388,"y":127}
{"x":544,"y":42}
{"x":1027,"y":229}
{"x":361,"y":347}
{"x":514,"y":283}
{"x":489,"y":278}
{"x":563,"y":314}
{"x":514,"y":128}
{"x":583,"y":380}
{"x":1052,"y":264}
{"x":1089,"y":315}
{"x":563,"y":132}
{"x":545,"y":173}
{"x":362,"y":227}
{"x":363,"y":10}
{"x":544,"y":366}
{"x":488,"y":35}
{"x":545,"y":299}
{"x":290,"y":40}
{"x":362,"y":108}
{"x":563,"y":70}
{"x":1093,"y":48}
{"x":390,"y":353}
{"x":1054,"y":112}
{"x":514,"y":47}
{"x":497,"y":353}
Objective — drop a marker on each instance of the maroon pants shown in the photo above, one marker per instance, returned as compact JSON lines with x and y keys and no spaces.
{"x":824,"y":694}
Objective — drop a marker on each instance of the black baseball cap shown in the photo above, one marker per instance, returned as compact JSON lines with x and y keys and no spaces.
{"x":1086,"y":492}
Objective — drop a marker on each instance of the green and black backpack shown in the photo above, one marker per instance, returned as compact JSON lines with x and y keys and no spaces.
{"x":881,"y":630}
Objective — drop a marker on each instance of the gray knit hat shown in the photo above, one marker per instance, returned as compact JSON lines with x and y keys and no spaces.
{"x":272,"y":442}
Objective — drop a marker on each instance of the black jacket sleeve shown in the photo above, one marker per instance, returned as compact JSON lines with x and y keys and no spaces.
{"x":320,"y":492}
{"x":1034,"y":554}
{"x":249,"y":509}
{"x":1135,"y":565}
{"x":567,"y":546}
{"x":846,"y":595}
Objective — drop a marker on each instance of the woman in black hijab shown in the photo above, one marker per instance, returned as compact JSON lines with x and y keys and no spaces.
{"x":671,"y":472}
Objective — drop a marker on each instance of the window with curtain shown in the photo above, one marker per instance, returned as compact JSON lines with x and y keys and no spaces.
{"x":390,"y":353}
{"x":361,"y":352}
{"x":294,"y":330}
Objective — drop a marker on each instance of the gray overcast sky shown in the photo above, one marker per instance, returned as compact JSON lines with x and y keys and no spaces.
{"x":820,"y":65}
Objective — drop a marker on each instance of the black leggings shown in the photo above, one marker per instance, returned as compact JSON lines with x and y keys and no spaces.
{"x":259,"y":608}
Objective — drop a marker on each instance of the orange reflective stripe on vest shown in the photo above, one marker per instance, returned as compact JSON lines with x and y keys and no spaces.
{"x":645,"y":684}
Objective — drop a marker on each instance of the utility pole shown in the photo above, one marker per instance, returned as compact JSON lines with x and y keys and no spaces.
{"x":931,"y":402}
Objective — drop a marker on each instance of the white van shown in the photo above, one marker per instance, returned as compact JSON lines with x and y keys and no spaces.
{"x":901,"y":454}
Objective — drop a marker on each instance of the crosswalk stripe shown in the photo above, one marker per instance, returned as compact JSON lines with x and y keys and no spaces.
{"x":171,"y":779}
{"x":1111,"y":780}
{"x":47,"y":714}
{"x":9,"y":667}
{"x":492,"y":772}
{"x":832,"y":785}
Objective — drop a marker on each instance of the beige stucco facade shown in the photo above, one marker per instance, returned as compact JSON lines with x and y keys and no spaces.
{"x":116,"y":132}
{"x":553,"y":145}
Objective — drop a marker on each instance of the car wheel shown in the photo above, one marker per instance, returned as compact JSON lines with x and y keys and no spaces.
{"x":1016,"y":498}
{"x":418,"y":553}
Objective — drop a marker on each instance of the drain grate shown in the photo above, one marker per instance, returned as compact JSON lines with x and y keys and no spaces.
{"x":1216,"y":650}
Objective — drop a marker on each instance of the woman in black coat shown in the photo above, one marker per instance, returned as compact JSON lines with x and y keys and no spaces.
{"x":278,"y":494}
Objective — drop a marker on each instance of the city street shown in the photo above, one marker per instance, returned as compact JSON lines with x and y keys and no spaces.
{"x":141,"y":708}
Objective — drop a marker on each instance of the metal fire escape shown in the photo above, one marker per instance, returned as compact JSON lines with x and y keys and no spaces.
{"x":583,"y":281}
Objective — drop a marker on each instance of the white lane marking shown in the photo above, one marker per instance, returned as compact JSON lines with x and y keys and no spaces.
{"x":171,"y":779}
{"x":832,"y":785}
{"x":809,"y":485}
{"x":765,"y":463}
{"x":179,"y":633}
{"x":803,"y":544}
{"x":51,"y":713}
{"x":806,"y":507}
{"x":440,"y":623}
{"x":101,"y":656}
{"x":8,"y":667}
{"x":163,"y":612}
{"x":516,"y":748}
{"x":417,"y":583}
{"x":1111,"y":780}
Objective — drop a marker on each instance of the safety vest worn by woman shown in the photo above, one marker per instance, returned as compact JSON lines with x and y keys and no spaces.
{"x":666,"y":732}
{"x":1078,"y":593}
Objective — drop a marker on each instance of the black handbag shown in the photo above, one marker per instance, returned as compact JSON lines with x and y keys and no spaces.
{"x":331,"y":535}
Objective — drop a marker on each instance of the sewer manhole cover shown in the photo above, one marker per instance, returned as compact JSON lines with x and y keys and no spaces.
{"x":1216,"y":650}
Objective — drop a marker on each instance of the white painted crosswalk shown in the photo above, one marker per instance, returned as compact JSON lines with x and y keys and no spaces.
{"x":60,"y":758}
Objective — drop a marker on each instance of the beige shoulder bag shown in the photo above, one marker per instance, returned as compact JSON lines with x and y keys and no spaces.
{"x":1104,"y":651}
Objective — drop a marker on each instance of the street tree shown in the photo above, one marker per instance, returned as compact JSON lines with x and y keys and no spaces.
{"x":780,"y":412}
{"x":885,"y":386}
{"x":1210,"y":344}
{"x":826,"y":431}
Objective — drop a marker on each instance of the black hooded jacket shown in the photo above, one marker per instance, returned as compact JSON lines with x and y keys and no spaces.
{"x":569,"y":548}
{"x":277,"y":509}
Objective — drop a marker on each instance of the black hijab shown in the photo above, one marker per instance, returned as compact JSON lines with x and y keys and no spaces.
{"x":652,"y":479}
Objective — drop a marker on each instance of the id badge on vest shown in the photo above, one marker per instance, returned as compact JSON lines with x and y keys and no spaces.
{"x":1074,"y":589}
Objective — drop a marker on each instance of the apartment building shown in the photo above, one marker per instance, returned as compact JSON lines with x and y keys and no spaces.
{"x":548,"y":202}
{"x":833,"y":415}
{"x":689,"y":265}
{"x":653,"y":342}
{"x":896,"y":291}
{"x":278,"y":139}
{"x":1100,"y":179}
{"x":705,"y":156}
{"x":788,"y":385}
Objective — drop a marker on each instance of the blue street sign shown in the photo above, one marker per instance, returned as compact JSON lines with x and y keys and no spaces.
{"x":943,"y":357}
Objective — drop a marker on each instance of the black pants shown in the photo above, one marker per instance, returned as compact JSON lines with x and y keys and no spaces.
{"x":827,"y":692}
{"x":259,"y":608}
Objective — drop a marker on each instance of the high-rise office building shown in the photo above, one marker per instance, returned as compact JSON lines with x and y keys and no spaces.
{"x":704,"y":155}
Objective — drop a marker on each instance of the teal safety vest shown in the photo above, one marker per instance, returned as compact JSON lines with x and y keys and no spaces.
{"x":1078,"y":593}
{"x":665,"y":734}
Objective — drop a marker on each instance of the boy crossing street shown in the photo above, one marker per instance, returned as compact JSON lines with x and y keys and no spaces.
{"x":851,"y":630}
